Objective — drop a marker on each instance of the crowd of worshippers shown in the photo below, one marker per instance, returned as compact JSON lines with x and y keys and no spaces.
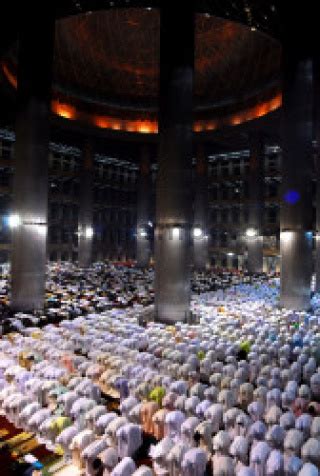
{"x":236,"y":394}
{"x":72,"y":292}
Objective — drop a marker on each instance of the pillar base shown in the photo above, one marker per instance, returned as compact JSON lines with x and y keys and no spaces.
{"x":148,"y":315}
{"x":255,"y":254}
{"x":143,"y":253}
{"x":173,"y":271}
{"x":85,"y":252}
{"x":29,"y":268}
{"x":296,"y":269}
{"x":317,"y":263}
{"x":201,"y":254}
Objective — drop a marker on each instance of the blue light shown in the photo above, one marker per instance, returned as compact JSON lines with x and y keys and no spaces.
{"x":292,"y":197}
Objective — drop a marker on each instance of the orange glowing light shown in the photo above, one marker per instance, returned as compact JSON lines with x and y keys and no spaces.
{"x":115,"y":125}
{"x":148,"y":126}
{"x":211,"y":125}
{"x":10,"y":76}
{"x":102,"y":122}
{"x":198,"y":126}
{"x":236,"y":120}
{"x":63,"y":110}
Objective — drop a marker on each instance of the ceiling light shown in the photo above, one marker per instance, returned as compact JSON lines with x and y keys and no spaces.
{"x":176,"y":233}
{"x":142,"y":233}
{"x":251,"y":232}
{"x":14,"y":220}
{"x":197,"y":232}
{"x":88,"y":232}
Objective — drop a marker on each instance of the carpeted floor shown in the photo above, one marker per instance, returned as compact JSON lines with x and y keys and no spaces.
{"x":14,"y":444}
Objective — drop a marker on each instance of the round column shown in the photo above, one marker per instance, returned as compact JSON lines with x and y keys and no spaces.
{"x":296,"y":194}
{"x":85,"y":227}
{"x":143,"y":210}
{"x":254,"y":233}
{"x":30,"y":184}
{"x":201,"y":207}
{"x":173,"y":194}
{"x":316,"y":91}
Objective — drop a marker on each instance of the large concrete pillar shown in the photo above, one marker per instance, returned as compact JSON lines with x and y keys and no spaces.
{"x":254,"y":233}
{"x":296,"y":195}
{"x":85,"y":227}
{"x":173,"y":195}
{"x":143,"y":210}
{"x":316,"y":136}
{"x":201,"y":208}
{"x":30,"y":185}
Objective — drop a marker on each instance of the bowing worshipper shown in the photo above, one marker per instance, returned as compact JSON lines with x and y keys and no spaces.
{"x":310,"y":452}
{"x":129,"y":438}
{"x":79,"y":409}
{"x":258,"y":457}
{"x":93,"y":415}
{"x":309,"y":469}
{"x":159,"y":453}
{"x":220,"y":458}
{"x":111,"y":430}
{"x":37,"y":418}
{"x":143,"y":471}
{"x":215,"y":415}
{"x":242,"y":424}
{"x":26,"y":413}
{"x":246,"y":471}
{"x":103,"y":421}
{"x":79,"y":442}
{"x":135,"y":414}
{"x":64,"y":440}
{"x":158,"y":420}
{"x":109,"y":458}
{"x":203,"y":436}
{"x":315,"y":386}
{"x":275,"y":437}
{"x":229,"y":420}
{"x":191,"y":404}
{"x":188,"y":429}
{"x":202,"y":407}
{"x":239,"y":450}
{"x":275,"y":464}
{"x":175,"y":458}
{"x":194,"y":462}
{"x":157,"y":395}
{"x":50,"y":429}
{"x":148,"y":409}
{"x":173,"y":422}
{"x":90,"y":457}
{"x":126,"y":467}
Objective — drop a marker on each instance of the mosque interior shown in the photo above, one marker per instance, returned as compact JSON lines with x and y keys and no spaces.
{"x":159,"y":238}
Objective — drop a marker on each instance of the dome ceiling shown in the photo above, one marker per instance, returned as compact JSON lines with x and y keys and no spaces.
{"x":112,"y":57}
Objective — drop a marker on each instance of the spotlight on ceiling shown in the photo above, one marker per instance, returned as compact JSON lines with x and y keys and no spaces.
{"x":251,"y":232}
